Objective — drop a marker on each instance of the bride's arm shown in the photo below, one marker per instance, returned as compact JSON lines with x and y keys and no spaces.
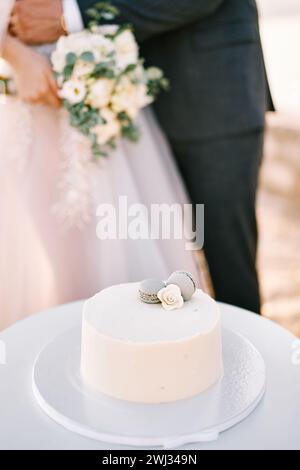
{"x":33,"y":75}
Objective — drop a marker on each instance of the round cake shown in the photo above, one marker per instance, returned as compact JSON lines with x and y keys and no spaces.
{"x":142,"y":352}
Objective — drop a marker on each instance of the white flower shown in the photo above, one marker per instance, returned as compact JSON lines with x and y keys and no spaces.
{"x":171,"y":297}
{"x":101,"y":47}
{"x":82,"y":69}
{"x":126,"y":98}
{"x":63,"y":44}
{"x":60,"y":82}
{"x":5,"y":69}
{"x":77,"y":43}
{"x":58,"y":61}
{"x":143,"y":99}
{"x":110,"y":130}
{"x":139,"y":74}
{"x":73,"y":91}
{"x":100,"y":93}
{"x":154,"y":73}
{"x":127,"y":51}
{"x":107,"y":29}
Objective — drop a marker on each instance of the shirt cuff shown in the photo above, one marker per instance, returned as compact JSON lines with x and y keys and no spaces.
{"x":73,"y":18}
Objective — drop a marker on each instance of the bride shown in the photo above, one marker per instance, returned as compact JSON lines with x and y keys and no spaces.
{"x":43,"y":261}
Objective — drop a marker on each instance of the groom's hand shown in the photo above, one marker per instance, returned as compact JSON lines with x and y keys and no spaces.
{"x":37,"y":21}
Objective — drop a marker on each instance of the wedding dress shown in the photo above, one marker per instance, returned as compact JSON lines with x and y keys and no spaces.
{"x":45,"y":261}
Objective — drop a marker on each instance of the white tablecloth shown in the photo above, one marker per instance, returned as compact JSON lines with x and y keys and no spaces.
{"x":275,"y":424}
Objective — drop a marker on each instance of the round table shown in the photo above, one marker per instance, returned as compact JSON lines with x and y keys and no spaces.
{"x":275,"y":423}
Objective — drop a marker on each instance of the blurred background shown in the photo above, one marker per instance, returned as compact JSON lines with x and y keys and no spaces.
{"x":279,"y":194}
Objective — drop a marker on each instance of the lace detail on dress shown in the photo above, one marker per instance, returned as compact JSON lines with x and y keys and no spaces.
{"x":78,"y":177}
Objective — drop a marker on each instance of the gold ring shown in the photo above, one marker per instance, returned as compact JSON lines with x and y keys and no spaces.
{"x":63,"y":24}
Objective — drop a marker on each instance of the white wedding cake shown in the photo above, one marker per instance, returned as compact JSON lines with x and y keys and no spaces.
{"x":151,"y":352}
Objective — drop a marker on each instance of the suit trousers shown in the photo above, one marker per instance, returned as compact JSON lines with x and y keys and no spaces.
{"x":222,"y":174}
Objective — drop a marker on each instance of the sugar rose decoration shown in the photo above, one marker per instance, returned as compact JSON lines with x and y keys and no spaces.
{"x":171,"y":297}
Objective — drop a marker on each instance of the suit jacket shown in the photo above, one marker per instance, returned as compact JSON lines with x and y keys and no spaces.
{"x":211,"y":52}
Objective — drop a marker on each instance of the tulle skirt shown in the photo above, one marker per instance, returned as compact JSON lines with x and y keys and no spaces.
{"x":45,"y":261}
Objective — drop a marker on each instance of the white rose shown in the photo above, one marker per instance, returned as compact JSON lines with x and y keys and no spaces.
{"x":82,"y":69}
{"x":139,"y":74}
{"x":125,"y":98}
{"x":58,"y":61}
{"x":78,"y":43}
{"x":73,"y":91}
{"x":62,"y":44}
{"x":127,"y":51}
{"x":107,"y":29}
{"x":154,"y":73}
{"x":101,"y":47}
{"x":5,"y":69}
{"x":100,"y":93}
{"x":97,"y":44}
{"x":60,"y":81}
{"x":143,"y":99}
{"x":110,"y":130}
{"x":171,"y":297}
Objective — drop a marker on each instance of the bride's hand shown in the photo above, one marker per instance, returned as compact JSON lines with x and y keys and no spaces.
{"x":34,"y":78}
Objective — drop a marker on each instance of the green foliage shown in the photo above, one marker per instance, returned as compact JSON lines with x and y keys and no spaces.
{"x":97,"y":150}
{"x":123,"y":117}
{"x":124,"y":27}
{"x":68,"y":70}
{"x":87,"y":56}
{"x":129,"y":68}
{"x":156,"y":86}
{"x":130,"y":131}
{"x":71,"y":58}
{"x":103,"y":70}
{"x":102,"y":12}
{"x":83,"y":117}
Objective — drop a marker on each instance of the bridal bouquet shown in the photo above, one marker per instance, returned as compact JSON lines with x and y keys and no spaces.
{"x":103,"y":81}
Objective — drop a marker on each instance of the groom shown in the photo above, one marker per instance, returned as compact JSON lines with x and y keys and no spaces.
{"x":214,"y":115}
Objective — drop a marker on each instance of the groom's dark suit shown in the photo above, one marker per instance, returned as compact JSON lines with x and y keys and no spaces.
{"x":214,"y":118}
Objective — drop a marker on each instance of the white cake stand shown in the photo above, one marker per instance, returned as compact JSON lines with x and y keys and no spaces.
{"x":58,"y":388}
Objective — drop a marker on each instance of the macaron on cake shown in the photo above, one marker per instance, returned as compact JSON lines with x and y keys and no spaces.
{"x":156,"y":341}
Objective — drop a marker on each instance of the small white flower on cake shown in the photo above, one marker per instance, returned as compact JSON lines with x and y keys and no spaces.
{"x":171,"y":297}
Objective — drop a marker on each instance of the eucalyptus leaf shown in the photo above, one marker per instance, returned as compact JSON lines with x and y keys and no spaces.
{"x":92,"y":12}
{"x":87,"y":56}
{"x":71,"y":58}
{"x":131,"y":132}
{"x":68,"y":70}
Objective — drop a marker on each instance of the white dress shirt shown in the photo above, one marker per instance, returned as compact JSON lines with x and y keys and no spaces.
{"x":73,"y":18}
